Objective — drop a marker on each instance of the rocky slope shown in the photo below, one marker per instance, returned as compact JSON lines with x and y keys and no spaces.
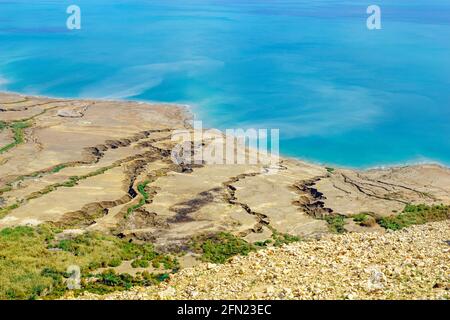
{"x":410,"y":264}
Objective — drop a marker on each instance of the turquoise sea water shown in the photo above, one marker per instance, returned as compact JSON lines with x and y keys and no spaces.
{"x":338,"y":92}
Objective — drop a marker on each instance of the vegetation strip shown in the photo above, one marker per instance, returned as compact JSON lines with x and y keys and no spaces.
{"x":411,"y":215}
{"x":73,"y":181}
{"x":415,"y":214}
{"x":34,"y":262}
{"x":18,"y":131}
{"x":144,"y":198}
{"x":220,"y":247}
{"x":18,"y":127}
{"x":68,"y":184}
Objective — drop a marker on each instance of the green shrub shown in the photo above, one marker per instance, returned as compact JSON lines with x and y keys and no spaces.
{"x":280,"y":239}
{"x":263,"y":244}
{"x":360,"y":217}
{"x":415,"y":214}
{"x":140,"y":263}
{"x":144,"y":198}
{"x":220,"y":247}
{"x":6,"y":210}
{"x":109,"y":281}
{"x":18,"y":131}
{"x":58,"y":168}
{"x":364,"y":219}
{"x":336,"y":223}
{"x":162,"y":277}
{"x":115,"y":262}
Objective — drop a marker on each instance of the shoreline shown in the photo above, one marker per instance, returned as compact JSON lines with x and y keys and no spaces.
{"x":190,"y":115}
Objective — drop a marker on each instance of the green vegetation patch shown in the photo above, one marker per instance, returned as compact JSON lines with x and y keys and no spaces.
{"x":140,"y":263}
{"x":336,"y":223}
{"x":33,"y":263}
{"x":6,"y":210}
{"x":144,"y":198}
{"x":18,"y":131}
{"x":263,"y":244}
{"x":280,"y":239}
{"x":218,"y":248}
{"x":72,"y":182}
{"x":109,"y":281}
{"x":55,"y":169}
{"x":364,"y":219}
{"x":58,"y":168}
{"x":167,"y":262}
{"x":360,"y":217}
{"x":7,"y":188}
{"x":329,"y":169}
{"x":415,"y":214}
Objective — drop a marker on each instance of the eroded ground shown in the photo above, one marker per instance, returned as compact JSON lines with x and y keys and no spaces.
{"x":106,"y":166}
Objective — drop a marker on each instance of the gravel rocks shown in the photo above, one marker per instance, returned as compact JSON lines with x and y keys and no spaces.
{"x":413,"y":263}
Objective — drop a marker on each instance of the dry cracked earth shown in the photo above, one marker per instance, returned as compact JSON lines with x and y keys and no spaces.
{"x":82,"y":165}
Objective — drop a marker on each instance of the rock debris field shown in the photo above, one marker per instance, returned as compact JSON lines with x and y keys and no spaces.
{"x":413,"y":263}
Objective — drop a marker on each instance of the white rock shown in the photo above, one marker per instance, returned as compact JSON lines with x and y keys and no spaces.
{"x":65,"y":113}
{"x":194,"y":293}
{"x":270,"y":290}
{"x":210,"y":266}
{"x":376,"y":280}
{"x":169,"y":292}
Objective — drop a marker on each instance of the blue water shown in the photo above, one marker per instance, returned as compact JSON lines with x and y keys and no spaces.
{"x":339,"y":93}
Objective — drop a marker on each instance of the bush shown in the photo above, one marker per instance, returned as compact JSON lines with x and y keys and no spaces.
{"x":280,"y":239}
{"x":415,"y":214}
{"x":140,"y":263}
{"x":220,"y":247}
{"x":109,"y":281}
{"x":58,"y":168}
{"x":364,"y":219}
{"x":115,"y":263}
{"x":336,"y":223}
{"x":263,"y":244}
{"x":144,"y":198}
